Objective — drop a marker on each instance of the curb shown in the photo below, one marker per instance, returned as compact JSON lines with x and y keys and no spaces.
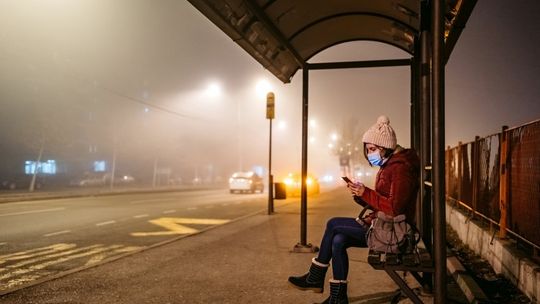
{"x":466,"y":283}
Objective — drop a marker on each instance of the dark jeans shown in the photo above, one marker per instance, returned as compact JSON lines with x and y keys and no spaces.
{"x":340,"y":234}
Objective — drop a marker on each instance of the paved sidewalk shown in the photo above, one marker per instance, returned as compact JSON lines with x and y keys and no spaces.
{"x":246,"y":261}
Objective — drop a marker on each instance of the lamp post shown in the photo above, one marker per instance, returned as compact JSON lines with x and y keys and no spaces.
{"x":270,"y":102}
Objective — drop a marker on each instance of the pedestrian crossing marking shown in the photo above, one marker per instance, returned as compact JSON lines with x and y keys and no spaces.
{"x":26,"y":266}
{"x":35,"y":252}
{"x":174,"y":225}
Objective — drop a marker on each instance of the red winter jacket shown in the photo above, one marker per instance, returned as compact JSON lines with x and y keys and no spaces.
{"x":396,"y":185}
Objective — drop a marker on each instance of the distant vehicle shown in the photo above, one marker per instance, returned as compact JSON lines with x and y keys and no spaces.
{"x":89,"y":180}
{"x":293,"y":184}
{"x":97,"y":180}
{"x":246,"y":182}
{"x":21,"y":182}
{"x":175,"y":181}
{"x":124,"y":179}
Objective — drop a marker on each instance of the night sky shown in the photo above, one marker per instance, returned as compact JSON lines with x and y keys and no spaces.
{"x":159,"y":57}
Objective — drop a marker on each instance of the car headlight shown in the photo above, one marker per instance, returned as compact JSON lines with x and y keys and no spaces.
{"x":309,"y":181}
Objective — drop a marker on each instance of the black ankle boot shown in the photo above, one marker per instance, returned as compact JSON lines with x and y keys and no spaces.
{"x":312,"y":280}
{"x":338,"y":293}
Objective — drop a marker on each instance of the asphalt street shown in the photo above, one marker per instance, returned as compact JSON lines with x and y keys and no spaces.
{"x":39,"y":239}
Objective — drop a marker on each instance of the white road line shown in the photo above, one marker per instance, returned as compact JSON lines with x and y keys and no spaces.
{"x":209,"y":207}
{"x":57,"y":233}
{"x":152,"y":200}
{"x":105,"y":223}
{"x":169,"y":211}
{"x":192,"y":208}
{"x":32,"y":211}
{"x":2,"y":243}
{"x":226,"y":204}
{"x":140,"y":216}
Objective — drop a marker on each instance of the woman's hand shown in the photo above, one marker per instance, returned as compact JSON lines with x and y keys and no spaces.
{"x":356,"y":188}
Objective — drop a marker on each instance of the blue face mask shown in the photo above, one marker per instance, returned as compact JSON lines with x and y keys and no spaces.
{"x":375,"y":158}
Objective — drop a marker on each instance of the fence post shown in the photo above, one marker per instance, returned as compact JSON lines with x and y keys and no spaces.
{"x":503,"y":182}
{"x":475,"y":166}
{"x":459,"y":171}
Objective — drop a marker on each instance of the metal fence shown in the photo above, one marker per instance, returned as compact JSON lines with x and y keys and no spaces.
{"x":498,"y":178}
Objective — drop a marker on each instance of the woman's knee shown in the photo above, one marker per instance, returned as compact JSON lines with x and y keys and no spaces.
{"x":333,"y":222}
{"x":339,"y":242}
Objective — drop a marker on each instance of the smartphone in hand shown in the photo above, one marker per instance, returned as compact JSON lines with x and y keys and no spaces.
{"x":347,"y":180}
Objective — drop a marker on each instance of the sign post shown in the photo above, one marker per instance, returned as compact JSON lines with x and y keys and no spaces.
{"x":270,"y":102}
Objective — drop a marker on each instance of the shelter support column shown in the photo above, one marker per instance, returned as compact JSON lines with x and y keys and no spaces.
{"x":303,"y":246}
{"x":425,"y":207}
{"x":439,"y":221}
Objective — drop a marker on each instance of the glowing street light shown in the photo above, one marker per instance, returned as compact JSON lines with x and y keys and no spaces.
{"x":213,"y":90}
{"x":262,"y":88}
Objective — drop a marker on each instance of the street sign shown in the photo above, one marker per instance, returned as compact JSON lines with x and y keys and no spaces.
{"x":270,"y":105}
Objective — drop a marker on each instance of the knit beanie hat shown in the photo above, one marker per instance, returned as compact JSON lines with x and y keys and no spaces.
{"x":381,"y":134}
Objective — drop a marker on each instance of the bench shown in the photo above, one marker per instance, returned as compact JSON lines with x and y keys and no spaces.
{"x":419,"y":264}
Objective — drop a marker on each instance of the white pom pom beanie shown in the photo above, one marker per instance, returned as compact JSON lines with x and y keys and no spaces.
{"x":381,"y":134}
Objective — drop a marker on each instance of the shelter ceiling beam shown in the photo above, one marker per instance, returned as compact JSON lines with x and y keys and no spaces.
{"x":456,"y":18}
{"x":269,"y":25}
{"x":359,"y":64}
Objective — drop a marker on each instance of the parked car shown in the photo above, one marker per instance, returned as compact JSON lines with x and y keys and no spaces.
{"x":124,"y":179}
{"x":246,"y":182}
{"x":96,"y":180}
{"x":293,"y":184}
{"x":21,"y":182}
{"x":89,"y":180}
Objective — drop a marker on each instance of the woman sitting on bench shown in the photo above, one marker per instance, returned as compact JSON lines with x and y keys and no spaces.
{"x":395,"y":192}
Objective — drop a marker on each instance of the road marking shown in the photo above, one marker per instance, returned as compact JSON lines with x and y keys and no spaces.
{"x":174,"y":225}
{"x":226,"y":204}
{"x":192,"y":208}
{"x":61,"y":260}
{"x":105,"y":223}
{"x":32,"y":211}
{"x":209,"y":207}
{"x":140,"y":216}
{"x":57,"y":233}
{"x":151,"y":201}
{"x":37,"y":251}
{"x":169,"y":211}
{"x":54,"y":254}
{"x":2,"y":243}
{"x":30,"y":265}
{"x":117,"y":250}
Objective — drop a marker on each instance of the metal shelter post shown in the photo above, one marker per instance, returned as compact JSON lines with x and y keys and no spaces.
{"x":303,"y":246}
{"x":426,"y":224}
{"x":439,"y":222}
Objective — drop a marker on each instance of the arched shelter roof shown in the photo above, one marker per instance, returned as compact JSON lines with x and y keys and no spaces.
{"x":284,"y":34}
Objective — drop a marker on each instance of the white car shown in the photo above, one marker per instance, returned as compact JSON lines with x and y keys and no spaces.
{"x":246,"y":182}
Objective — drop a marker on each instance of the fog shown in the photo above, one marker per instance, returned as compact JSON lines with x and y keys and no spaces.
{"x":152,"y":87}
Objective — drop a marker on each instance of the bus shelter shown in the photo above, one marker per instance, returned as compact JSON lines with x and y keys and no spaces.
{"x":282,"y":35}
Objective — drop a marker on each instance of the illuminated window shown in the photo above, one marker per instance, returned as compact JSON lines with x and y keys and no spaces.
{"x":47,"y":167}
{"x":100,"y":166}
